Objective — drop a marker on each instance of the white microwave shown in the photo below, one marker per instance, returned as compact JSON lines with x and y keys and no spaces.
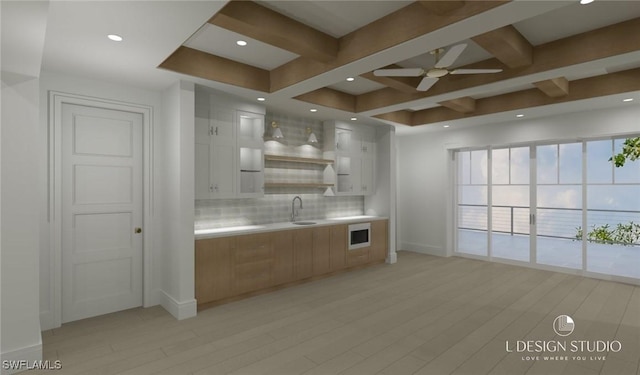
{"x":359,"y":235}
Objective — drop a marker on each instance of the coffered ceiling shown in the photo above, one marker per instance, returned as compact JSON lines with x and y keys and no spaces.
{"x":550,"y":52}
{"x":299,"y":53}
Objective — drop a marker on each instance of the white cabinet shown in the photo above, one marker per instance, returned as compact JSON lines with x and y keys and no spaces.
{"x":251,"y":147}
{"x":354,"y":149}
{"x":229,"y":151}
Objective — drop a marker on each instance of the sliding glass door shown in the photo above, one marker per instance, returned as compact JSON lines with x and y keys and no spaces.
{"x":510,"y":208}
{"x":612,"y":231}
{"x":563,"y":205}
{"x":559,"y":204}
{"x":472,"y":198}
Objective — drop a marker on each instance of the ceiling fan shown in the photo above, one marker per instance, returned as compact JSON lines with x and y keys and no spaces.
{"x":432,"y":75}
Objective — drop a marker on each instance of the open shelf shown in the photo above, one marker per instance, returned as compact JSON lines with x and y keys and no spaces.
{"x":295,"y":159}
{"x":297,"y":184}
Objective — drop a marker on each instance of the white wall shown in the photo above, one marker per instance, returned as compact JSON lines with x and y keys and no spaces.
{"x":424,"y":192}
{"x":20,"y":321}
{"x":177,"y":181}
{"x":106,"y":91}
{"x":383,"y":202}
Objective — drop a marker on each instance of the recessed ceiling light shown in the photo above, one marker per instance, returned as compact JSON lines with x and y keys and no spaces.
{"x":627,"y":100}
{"x":350,"y":79}
{"x":261,"y":99}
{"x":354,"y":118}
{"x":445,"y":126}
{"x":520,"y":115}
{"x":313,"y":110}
{"x":115,"y":37}
{"x":585,"y":2}
{"x":241,"y":43}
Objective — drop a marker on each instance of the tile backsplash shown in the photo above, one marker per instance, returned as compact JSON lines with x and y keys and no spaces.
{"x":275,"y":206}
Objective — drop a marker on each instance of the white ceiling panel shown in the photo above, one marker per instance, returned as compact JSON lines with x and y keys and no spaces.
{"x":336,"y":18}
{"x":358,"y":86}
{"x":575,"y":19}
{"x":472,"y":54}
{"x":222,"y":42}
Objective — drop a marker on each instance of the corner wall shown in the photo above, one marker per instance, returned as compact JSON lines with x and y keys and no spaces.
{"x":20,"y":321}
{"x":177,"y":181}
{"x":424,"y":172}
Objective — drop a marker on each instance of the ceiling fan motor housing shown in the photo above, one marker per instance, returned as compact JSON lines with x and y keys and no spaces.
{"x":437,"y":72}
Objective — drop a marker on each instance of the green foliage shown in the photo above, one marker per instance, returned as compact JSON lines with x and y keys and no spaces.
{"x":630,"y":151}
{"x":622,"y":234}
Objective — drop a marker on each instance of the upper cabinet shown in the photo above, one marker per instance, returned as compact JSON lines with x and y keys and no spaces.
{"x":354,"y":150}
{"x":228,"y":149}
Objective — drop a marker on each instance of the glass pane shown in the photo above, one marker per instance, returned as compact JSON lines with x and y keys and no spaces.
{"x":464,"y":167}
{"x":520,"y":165}
{"x":571,"y":163}
{"x":630,"y":172}
{"x":475,"y":195}
{"x":479,"y":167}
{"x":500,"y":166}
{"x":599,"y":168}
{"x":510,"y":196}
{"x":613,"y":232}
{"x":547,"y":162}
{"x":560,"y":196}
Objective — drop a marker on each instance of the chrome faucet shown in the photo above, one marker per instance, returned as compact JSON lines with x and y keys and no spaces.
{"x":294,"y":213}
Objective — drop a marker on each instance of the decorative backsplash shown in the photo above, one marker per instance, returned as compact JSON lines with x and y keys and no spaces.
{"x":275,"y":206}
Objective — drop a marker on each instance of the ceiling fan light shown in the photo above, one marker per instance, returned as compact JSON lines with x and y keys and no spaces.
{"x":437,"y":73}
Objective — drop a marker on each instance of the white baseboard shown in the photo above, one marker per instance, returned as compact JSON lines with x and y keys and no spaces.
{"x":179,"y":310}
{"x":47,"y":321}
{"x":424,"y":249}
{"x":23,"y":357}
{"x":392,"y":258}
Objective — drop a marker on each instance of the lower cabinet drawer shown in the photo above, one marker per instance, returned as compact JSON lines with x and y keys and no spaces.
{"x":357,"y":257}
{"x":253,"y":276}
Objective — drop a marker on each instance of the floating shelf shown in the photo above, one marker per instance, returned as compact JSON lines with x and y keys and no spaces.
{"x":295,"y":159}
{"x":297,"y":184}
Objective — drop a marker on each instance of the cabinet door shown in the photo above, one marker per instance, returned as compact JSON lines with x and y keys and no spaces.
{"x":282,"y":257}
{"x":379,"y":240}
{"x":223,"y":155}
{"x":367,"y":139}
{"x":250,"y":154}
{"x":302,"y":253}
{"x":367,"y":181}
{"x":203,"y":157}
{"x":358,"y":257}
{"x":338,"y":247}
{"x":344,"y":142}
{"x":321,"y":250}
{"x":214,"y":269}
{"x":253,"y":263}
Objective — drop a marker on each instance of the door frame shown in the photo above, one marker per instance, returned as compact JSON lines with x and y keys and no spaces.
{"x":54,"y":184}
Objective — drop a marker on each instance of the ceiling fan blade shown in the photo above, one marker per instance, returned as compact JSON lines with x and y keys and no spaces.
{"x":451,"y":56}
{"x":426,"y":83}
{"x":474,"y":71}
{"x":409,"y":72}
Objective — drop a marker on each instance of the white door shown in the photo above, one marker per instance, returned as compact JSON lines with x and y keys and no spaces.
{"x":101,"y":211}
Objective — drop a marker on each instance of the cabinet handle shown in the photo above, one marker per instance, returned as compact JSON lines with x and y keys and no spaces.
{"x":210,"y":188}
{"x":216,"y":130}
{"x":210,"y":130}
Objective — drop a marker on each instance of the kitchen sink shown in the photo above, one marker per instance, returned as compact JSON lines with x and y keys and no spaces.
{"x":304,"y":222}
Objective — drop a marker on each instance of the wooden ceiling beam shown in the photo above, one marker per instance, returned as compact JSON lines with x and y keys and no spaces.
{"x":399,"y":117}
{"x":201,"y":64}
{"x":602,"y":43}
{"x":404,"y":84}
{"x":507,"y":45}
{"x":462,"y":105}
{"x":405,"y":24}
{"x":331,"y":98}
{"x":603,"y":85}
{"x":263,"y":24}
{"x":441,"y":7}
{"x":554,"y":88}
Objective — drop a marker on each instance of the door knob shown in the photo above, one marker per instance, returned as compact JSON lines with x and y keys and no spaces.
{"x":138,"y":230}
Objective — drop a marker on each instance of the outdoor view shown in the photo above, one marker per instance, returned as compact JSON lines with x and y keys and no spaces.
{"x":585,"y":198}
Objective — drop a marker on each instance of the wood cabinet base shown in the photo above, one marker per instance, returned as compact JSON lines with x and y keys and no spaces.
{"x":208,"y":305}
{"x":235,"y":267}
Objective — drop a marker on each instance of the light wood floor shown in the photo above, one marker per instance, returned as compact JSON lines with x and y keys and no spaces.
{"x":423,"y":315}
